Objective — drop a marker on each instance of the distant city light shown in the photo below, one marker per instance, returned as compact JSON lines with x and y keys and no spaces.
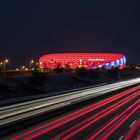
{"x":40,"y":63}
{"x":32,"y":61}
{"x":23,"y":67}
{"x":6,"y":60}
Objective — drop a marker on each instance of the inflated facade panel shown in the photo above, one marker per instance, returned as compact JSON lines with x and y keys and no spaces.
{"x":87,"y":60}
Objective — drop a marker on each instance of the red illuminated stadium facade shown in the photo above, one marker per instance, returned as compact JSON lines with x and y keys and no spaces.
{"x":87,"y":60}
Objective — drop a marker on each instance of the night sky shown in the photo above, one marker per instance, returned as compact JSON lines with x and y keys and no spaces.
{"x":29,"y":29}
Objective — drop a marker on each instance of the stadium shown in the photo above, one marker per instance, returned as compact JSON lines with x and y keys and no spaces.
{"x":87,"y":60}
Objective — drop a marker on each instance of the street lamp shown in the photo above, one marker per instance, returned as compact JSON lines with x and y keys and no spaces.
{"x":1,"y":63}
{"x":31,"y":62}
{"x":4,"y":66}
{"x":30,"y":66}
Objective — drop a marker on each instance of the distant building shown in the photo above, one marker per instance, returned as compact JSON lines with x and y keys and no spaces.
{"x":87,"y":60}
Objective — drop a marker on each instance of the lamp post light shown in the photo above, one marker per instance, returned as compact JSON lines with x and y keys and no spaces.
{"x":23,"y":68}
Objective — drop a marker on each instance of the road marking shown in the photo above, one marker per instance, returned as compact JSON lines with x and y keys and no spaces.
{"x":121,"y":137}
{"x":132,"y":123}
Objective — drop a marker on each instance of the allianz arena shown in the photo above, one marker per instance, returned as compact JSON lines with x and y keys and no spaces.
{"x":87,"y":60}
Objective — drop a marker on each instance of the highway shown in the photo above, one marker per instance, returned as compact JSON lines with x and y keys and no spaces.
{"x":113,"y":118}
{"x":13,"y":113}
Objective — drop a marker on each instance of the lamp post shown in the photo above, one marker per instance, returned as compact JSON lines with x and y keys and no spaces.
{"x":4,"y":67}
{"x":1,"y":63}
{"x":31,"y":62}
{"x":30,"y":66}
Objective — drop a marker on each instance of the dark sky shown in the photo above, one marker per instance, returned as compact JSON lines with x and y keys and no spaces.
{"x":29,"y":29}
